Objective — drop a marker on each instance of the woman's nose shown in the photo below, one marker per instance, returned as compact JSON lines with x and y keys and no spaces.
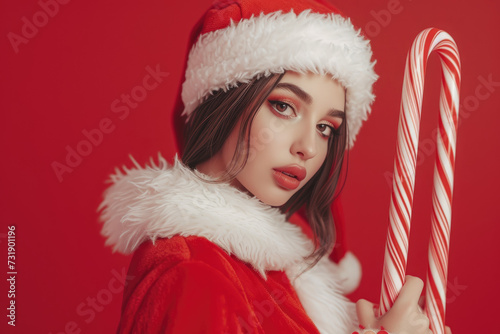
{"x":304,"y":144}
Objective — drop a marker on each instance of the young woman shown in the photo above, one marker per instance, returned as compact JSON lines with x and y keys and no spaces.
{"x":274,"y":93}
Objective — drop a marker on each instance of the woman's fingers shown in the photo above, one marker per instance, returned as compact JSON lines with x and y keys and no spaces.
{"x":366,"y":314}
{"x":410,"y":292}
{"x":447,"y":330}
{"x":404,"y":317}
{"x":421,"y":302}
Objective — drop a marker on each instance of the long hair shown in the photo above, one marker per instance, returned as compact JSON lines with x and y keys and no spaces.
{"x":214,"y":119}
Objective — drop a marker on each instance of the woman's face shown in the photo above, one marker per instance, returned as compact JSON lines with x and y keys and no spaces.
{"x":289,"y":137}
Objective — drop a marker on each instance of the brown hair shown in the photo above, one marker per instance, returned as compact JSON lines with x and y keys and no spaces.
{"x":214,"y":119}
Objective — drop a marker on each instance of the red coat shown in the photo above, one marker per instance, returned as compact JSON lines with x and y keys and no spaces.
{"x":190,"y":285}
{"x":211,"y":259}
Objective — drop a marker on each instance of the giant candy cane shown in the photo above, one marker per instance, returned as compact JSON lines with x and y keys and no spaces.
{"x":396,"y":250}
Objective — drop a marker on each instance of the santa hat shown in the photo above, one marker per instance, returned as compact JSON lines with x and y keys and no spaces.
{"x":239,"y":40}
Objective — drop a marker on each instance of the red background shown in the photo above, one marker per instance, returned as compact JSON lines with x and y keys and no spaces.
{"x":64,"y":79}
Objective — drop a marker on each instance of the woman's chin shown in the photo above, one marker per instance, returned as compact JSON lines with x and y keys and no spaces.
{"x":274,"y":203}
{"x":275,"y":198}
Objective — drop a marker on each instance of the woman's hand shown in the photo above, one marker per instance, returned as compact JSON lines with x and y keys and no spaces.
{"x":405,"y":316}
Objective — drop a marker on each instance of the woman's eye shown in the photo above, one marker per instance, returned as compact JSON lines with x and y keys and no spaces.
{"x":325,"y":130}
{"x":282,"y":108}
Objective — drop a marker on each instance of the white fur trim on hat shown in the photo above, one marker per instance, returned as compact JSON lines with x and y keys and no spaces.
{"x":276,"y":42}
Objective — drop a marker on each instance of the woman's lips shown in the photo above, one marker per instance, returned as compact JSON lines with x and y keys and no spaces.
{"x":289,"y":177}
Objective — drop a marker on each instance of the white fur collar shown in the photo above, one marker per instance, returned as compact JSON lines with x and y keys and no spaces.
{"x":163,"y":201}
{"x":160,"y":201}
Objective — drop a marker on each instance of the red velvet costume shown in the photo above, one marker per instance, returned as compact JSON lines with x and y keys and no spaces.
{"x":190,"y":285}
{"x":220,"y":261}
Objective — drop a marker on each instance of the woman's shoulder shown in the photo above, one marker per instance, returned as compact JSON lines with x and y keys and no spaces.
{"x":165,"y":254}
{"x":171,"y":275}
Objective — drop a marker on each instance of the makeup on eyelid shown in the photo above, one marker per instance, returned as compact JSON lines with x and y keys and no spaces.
{"x":331,"y":120}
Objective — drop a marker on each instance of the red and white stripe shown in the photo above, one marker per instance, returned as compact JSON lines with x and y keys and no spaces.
{"x":396,"y":251}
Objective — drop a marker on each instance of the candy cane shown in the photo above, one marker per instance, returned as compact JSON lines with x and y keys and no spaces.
{"x":396,"y":250}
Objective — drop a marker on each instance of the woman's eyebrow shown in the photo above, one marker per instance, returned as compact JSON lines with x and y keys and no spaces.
{"x":296,"y":90}
{"x":336,"y":113}
{"x":301,"y":94}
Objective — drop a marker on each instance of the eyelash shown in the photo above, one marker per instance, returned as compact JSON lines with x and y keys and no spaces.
{"x":333,"y":131}
{"x":274,"y":103}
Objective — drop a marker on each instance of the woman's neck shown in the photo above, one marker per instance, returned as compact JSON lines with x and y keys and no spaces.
{"x":215,"y":168}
